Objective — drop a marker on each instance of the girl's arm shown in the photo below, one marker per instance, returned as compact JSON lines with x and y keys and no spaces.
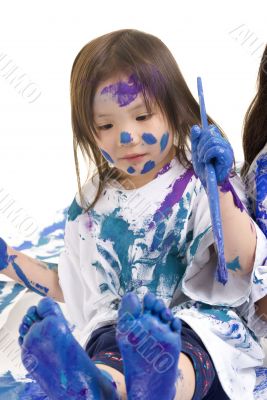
{"x":239,"y":234}
{"x":36,"y":275}
{"x":208,"y":146}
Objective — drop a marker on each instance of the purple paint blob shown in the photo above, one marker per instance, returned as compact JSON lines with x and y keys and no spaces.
{"x":123,"y":92}
{"x":225,"y":187}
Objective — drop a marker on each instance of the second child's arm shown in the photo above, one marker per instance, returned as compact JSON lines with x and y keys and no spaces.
{"x":36,"y":275}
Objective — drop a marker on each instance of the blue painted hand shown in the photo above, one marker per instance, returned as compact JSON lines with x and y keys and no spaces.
{"x":209,"y":146}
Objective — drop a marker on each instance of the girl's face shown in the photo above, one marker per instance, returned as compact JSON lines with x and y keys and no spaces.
{"x":124,"y":128}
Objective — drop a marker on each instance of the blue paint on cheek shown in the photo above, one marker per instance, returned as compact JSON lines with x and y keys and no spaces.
{"x":107,"y":156}
{"x":131,"y":170}
{"x":164,"y":141}
{"x":125,"y":137}
{"x":149,"y":138}
{"x":3,"y":255}
{"x":234,"y":265}
{"x":148,"y":166}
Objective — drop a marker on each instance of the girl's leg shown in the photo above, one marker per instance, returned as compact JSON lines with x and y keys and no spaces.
{"x":185,"y":384}
{"x":118,"y":378}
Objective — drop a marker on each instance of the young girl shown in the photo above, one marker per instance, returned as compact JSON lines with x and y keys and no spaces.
{"x":254,"y":174}
{"x":139,"y":244}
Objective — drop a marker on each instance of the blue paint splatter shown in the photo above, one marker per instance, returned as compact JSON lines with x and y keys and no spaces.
{"x":20,"y":274}
{"x":164,"y":141}
{"x":131,"y":170}
{"x":126,"y":137}
{"x":74,"y":211}
{"x":149,"y":138}
{"x":148,"y":166}
{"x":19,"y":390}
{"x":107,"y":156}
{"x":7,"y":298}
{"x":234,"y":265}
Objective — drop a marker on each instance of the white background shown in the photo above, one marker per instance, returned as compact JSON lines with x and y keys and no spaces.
{"x":220,"y":41}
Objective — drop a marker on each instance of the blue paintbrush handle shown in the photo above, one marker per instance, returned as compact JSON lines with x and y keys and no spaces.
{"x":213,"y":197}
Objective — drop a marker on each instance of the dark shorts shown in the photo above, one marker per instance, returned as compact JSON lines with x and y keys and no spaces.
{"x":102,"y":348}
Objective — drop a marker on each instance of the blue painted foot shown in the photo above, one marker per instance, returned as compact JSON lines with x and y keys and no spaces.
{"x":150,"y":341}
{"x":55,"y":359}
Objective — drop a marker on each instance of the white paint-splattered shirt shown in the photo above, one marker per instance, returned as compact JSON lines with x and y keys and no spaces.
{"x":159,"y":238}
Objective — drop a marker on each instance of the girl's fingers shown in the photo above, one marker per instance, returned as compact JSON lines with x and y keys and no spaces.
{"x":210,"y":143}
{"x":196,"y":133}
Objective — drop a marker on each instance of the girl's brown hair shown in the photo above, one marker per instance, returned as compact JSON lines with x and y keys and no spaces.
{"x":133,"y":52}
{"x":255,"y":121}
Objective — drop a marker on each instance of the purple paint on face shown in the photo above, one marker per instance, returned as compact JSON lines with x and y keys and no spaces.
{"x":172,"y":198}
{"x":123,"y":92}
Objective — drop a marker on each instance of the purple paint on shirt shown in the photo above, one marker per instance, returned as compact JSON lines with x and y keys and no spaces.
{"x":225,"y":187}
{"x":124,"y":92}
{"x":164,"y":169}
{"x":173,"y":197}
{"x":89,"y":223}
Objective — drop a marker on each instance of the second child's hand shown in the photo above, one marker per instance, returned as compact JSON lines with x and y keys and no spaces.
{"x":213,"y":196}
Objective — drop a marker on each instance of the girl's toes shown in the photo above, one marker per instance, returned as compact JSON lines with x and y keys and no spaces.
{"x":176,"y":325}
{"x":130,"y":304}
{"x":27,"y":321}
{"x":48,"y":307}
{"x":149,"y":301}
{"x":23,"y":329}
{"x":20,"y":340}
{"x":158,"y":306}
{"x":32,"y":314}
{"x":166,"y":315}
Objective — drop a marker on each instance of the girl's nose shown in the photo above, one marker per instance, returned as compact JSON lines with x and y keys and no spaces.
{"x":126,"y":138}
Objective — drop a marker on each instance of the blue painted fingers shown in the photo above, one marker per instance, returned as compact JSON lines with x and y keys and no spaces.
{"x":208,"y":146}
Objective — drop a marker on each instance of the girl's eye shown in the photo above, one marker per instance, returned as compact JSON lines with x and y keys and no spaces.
{"x":106,"y":127}
{"x":144,"y":116}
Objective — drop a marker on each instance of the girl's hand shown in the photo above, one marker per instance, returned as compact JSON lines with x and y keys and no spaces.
{"x":208,"y":146}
